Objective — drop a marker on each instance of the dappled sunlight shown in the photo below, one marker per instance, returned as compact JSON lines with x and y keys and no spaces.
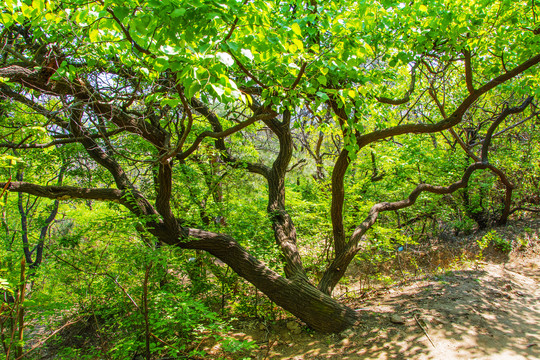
{"x":170,"y":167}
{"x":484,"y":313}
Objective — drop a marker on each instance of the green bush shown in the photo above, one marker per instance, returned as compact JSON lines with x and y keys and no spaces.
{"x":498,"y":242}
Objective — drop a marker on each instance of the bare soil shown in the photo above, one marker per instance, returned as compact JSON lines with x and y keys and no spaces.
{"x":470,"y":310}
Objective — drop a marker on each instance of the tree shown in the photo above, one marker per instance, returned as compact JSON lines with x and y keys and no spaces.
{"x":147,"y":88}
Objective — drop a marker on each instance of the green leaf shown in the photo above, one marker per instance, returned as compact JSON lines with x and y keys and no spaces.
{"x":6,"y":19}
{"x":161,"y":63}
{"x":171,"y":102}
{"x":299,"y":44}
{"x":141,"y":24}
{"x":178,"y":12}
{"x":296,"y":29}
{"x":121,"y":12}
{"x":219,"y":89}
{"x":321,"y":79}
{"x":193,"y":89}
{"x":93,"y":35}
{"x":38,"y":4}
{"x":322,"y":95}
{"x":293,"y":48}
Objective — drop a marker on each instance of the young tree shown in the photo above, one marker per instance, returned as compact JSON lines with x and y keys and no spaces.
{"x":145,"y":87}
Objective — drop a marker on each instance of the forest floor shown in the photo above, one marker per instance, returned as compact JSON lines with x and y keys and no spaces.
{"x":441,"y":300}
{"x":467,"y":309}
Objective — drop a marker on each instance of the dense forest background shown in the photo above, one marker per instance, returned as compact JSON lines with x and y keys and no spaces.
{"x":166,"y":165}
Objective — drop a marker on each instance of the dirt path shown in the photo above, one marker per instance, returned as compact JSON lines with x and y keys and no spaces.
{"x":491,"y":312}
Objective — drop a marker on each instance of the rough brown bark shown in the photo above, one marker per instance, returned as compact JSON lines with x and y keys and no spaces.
{"x":296,"y":295}
{"x":282,"y":224}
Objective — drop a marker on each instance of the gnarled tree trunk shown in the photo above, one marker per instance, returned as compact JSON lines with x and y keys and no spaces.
{"x":296,"y":295}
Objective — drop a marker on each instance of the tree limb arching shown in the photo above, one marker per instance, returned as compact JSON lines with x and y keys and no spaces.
{"x":407,"y":97}
{"x":507,"y":111}
{"x":296,"y":292}
{"x":66,"y":192}
{"x":284,"y":230}
{"x":83,"y":92}
{"x":509,"y":187}
{"x":218,"y":135}
{"x":337,"y":268}
{"x":343,"y":161}
{"x":69,"y":140}
{"x":155,"y":130}
{"x":212,"y":118}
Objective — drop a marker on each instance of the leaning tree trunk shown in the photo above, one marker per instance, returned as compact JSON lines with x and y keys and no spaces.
{"x":296,"y":295}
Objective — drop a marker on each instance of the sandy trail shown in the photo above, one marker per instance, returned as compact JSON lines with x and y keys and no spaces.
{"x":491,"y":312}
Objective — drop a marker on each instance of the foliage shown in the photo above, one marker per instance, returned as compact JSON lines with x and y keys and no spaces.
{"x":501,"y":243}
{"x":492,"y":237}
{"x":141,"y":140}
{"x":484,"y":242}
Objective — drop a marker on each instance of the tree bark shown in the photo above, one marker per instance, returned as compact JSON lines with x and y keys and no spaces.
{"x":296,"y":295}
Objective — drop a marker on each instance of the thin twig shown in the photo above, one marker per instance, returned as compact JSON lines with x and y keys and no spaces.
{"x":145,"y":310}
{"x":270,"y":346}
{"x":424,"y":330}
{"x":300,"y":73}
{"x":48,"y":337}
{"x":128,"y":35}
